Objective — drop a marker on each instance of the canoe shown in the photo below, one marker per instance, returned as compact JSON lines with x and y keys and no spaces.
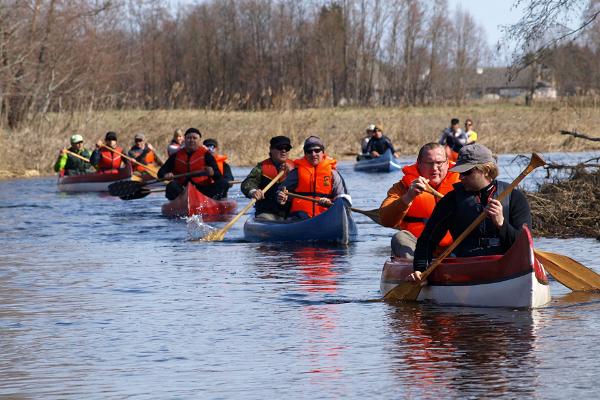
{"x":516,"y":279}
{"x":96,"y":182}
{"x":192,"y":202}
{"x":334,"y":225}
{"x":384,"y":163}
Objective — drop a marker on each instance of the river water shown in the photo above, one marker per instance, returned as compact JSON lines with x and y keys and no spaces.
{"x":104,"y":298}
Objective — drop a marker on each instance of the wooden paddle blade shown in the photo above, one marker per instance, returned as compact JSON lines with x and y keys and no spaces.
{"x":405,"y":291}
{"x":124,"y":188}
{"x":569,"y":272}
{"x":140,"y":194}
{"x":373,"y":214}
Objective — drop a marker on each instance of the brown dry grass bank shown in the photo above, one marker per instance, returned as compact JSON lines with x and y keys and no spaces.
{"x":505,"y":128}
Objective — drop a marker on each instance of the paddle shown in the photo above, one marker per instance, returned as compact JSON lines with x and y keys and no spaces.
{"x":130,"y":189}
{"x":220,"y":234}
{"x":151,"y":171}
{"x":77,"y":155}
{"x":409,"y":291}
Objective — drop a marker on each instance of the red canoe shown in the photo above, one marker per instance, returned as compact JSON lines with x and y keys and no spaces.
{"x":95,"y":182}
{"x":192,"y":202}
{"x":515,"y":279}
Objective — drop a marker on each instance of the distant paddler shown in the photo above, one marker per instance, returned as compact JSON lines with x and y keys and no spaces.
{"x":315,"y":176}
{"x":144,"y":154}
{"x":378,"y":143}
{"x":267,"y":207}
{"x":105,"y":160}
{"x":75,"y":160}
{"x":409,"y":205}
{"x":193,"y":157}
{"x":213,"y":146}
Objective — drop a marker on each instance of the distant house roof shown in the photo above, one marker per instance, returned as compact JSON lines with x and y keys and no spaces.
{"x":499,"y":78}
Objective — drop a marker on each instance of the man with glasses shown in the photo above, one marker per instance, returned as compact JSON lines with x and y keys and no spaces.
{"x":266,"y":206}
{"x":408,"y":206}
{"x":314,"y":176}
{"x":143,"y":153}
{"x":476,"y":193}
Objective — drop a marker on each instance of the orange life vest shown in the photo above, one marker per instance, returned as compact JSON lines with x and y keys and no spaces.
{"x":452,"y":155}
{"x":109,"y":161}
{"x":149,"y":159}
{"x":422,"y":206}
{"x":270,"y":171}
{"x":221,"y":159}
{"x":314,"y":182}
{"x":185,"y":163}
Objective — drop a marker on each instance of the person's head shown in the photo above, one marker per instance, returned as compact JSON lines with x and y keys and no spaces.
{"x":455,"y":124}
{"x":212,"y":145}
{"x":110,"y":139}
{"x":77,"y":142}
{"x":139,"y":139}
{"x":279,"y":149}
{"x":314,"y":150}
{"x":432,"y":163}
{"x":476,"y":166}
{"x":178,"y":136}
{"x":468,"y":124}
{"x":192,"y":139}
{"x":375,"y":131}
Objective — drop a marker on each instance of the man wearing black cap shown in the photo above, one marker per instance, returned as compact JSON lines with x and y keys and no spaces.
{"x":266,"y":205}
{"x":315,"y":176}
{"x":194,"y":157}
{"x":105,"y":160}
{"x":475,"y":193}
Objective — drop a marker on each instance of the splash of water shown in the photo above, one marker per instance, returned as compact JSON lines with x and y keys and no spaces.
{"x":197,"y":228}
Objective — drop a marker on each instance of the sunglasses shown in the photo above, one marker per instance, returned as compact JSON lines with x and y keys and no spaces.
{"x":282,"y":148}
{"x":467,"y":173}
{"x":139,"y":140}
{"x":310,"y":151}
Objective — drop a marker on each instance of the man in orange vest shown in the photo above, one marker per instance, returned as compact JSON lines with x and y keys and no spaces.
{"x":193,"y":157}
{"x":407,"y":205}
{"x":314,"y":176}
{"x":144,"y":153}
{"x":105,"y":160}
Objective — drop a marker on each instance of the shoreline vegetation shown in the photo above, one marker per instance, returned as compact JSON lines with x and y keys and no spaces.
{"x":243,"y":136}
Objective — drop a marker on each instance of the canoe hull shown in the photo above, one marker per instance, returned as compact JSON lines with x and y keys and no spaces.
{"x":193,"y":202}
{"x":384,"y":163}
{"x":516,"y":279}
{"x":335,"y":225}
{"x":97,"y":182}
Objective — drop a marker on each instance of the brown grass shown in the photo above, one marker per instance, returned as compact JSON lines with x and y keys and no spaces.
{"x":243,"y":136}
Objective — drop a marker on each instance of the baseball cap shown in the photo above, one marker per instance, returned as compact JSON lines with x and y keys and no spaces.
{"x":280,"y":141}
{"x":139,"y":136}
{"x":471,"y":156}
{"x":110,"y":135}
{"x":76,"y":139}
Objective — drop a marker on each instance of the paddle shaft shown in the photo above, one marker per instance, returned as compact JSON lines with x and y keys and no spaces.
{"x":133,"y":160}
{"x":536,"y":161}
{"x":299,"y":196}
{"x":77,"y":156}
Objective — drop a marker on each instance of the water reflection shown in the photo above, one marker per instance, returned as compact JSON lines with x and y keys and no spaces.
{"x":458,"y":352}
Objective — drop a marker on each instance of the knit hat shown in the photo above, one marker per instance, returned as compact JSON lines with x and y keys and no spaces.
{"x":110,"y":135}
{"x":312,"y":142}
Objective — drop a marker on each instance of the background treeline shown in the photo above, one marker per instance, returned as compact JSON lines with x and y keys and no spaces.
{"x":67,"y":55}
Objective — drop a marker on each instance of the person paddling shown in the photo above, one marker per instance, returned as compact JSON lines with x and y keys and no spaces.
{"x":408,"y":206}
{"x":144,"y":154}
{"x":476,"y":193}
{"x":193,"y":157}
{"x":314,"y":176}
{"x":267,"y":206}
{"x":379,"y":143}
{"x":105,"y":160}
{"x":213,"y":146}
{"x":69,"y":164}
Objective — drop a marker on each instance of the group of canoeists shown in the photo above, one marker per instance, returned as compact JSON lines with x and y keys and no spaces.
{"x":434,"y":201}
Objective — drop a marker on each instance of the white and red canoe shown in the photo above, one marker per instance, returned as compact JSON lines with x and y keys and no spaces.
{"x":95,"y":182}
{"x":192,"y":202}
{"x":516,"y":279}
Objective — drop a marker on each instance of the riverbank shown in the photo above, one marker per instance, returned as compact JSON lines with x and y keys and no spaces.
{"x":243,"y":136}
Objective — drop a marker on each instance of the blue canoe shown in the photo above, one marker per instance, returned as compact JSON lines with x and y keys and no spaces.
{"x":384,"y":163}
{"x":334,"y":225}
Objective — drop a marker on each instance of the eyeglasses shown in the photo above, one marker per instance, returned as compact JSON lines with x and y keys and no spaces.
{"x":467,"y":173}
{"x":310,"y":151}
{"x":282,"y":148}
{"x":210,"y":146}
{"x":432,"y":164}
{"x":139,"y":140}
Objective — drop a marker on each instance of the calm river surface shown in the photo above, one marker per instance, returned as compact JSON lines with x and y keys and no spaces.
{"x":103,"y":298}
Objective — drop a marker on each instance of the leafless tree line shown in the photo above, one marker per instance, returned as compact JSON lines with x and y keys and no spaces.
{"x":64,"y":55}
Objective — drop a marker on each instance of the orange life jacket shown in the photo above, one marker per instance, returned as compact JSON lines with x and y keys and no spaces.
{"x":270,"y":171}
{"x":149,"y":159}
{"x":221,"y":159}
{"x":451,"y":154}
{"x":314,"y":182}
{"x":109,"y":161}
{"x":185,"y":163}
{"x":422,"y":206}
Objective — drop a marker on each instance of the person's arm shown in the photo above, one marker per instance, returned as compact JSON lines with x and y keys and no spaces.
{"x":394,"y":208}
{"x":227,"y":173}
{"x":290,"y":183}
{"x":390,"y":145}
{"x":167,"y":167}
{"x":95,"y":157}
{"x":252,"y":181}
{"x":338,"y":185}
{"x":519,"y":213}
{"x":435,"y":229}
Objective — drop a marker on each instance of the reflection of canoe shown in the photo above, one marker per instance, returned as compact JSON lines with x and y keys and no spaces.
{"x":191,"y":202}
{"x":96,"y":182}
{"x":515,"y":279}
{"x":384,"y":163}
{"x":334,"y":225}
